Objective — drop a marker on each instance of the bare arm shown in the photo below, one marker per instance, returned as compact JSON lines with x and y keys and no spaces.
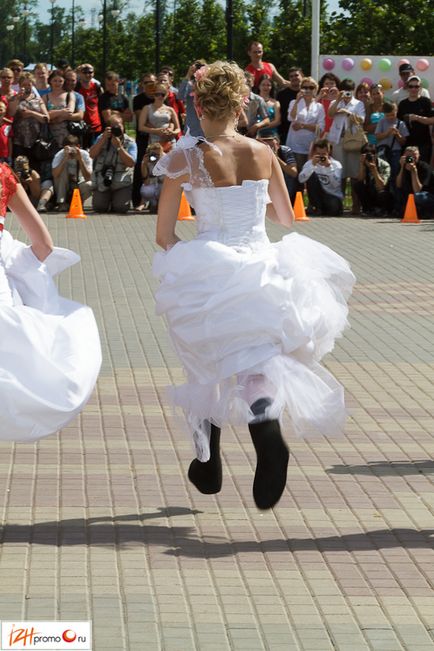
{"x":32,"y":224}
{"x":168,"y":207}
{"x":277,"y":77}
{"x":280,"y":209}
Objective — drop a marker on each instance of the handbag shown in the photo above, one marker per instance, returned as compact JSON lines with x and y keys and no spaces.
{"x":354,"y":138}
{"x":44,"y":147}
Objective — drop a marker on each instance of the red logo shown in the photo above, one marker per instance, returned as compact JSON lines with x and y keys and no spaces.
{"x":22,"y":635}
{"x":68,"y":635}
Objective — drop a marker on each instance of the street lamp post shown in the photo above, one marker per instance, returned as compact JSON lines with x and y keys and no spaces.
{"x":10,"y":28}
{"x":52,"y":2}
{"x":157,"y":35}
{"x":229,"y":30}
{"x":73,"y":34}
{"x":25,"y":13}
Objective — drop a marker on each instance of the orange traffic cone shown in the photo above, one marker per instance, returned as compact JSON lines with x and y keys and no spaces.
{"x":76,"y":207}
{"x":410,"y":214}
{"x":184,"y":212}
{"x":299,"y":211}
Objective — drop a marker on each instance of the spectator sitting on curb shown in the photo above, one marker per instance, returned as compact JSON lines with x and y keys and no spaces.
{"x":372,"y":185}
{"x":114,"y":155}
{"x":416,"y":177}
{"x":72,"y":168}
{"x":151,"y":185}
{"x":286,"y":160}
{"x":323,"y":177}
{"x":30,"y":179}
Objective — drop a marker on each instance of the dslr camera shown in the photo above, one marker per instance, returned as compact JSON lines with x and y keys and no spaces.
{"x":107,"y":175}
{"x":409,"y":159}
{"x":369,"y":157}
{"x":322,"y":159}
{"x":22,"y":168}
{"x":117,"y":131}
{"x":347,"y":93}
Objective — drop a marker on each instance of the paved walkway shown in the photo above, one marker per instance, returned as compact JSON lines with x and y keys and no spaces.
{"x":100,"y":523}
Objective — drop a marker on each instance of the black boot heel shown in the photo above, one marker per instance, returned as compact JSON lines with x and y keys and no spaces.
{"x":272,"y":463}
{"x":207,"y":476}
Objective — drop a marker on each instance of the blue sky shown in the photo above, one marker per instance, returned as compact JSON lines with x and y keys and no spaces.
{"x":135,"y":5}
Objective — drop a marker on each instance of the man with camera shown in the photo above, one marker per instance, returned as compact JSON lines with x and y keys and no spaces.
{"x":114,"y":155}
{"x":372,"y":184}
{"x":416,"y":177}
{"x":151,"y":185}
{"x":72,"y":168}
{"x":323,"y":177}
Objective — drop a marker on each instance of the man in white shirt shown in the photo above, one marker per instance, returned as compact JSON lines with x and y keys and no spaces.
{"x":323,"y":177}
{"x":406,"y":71}
{"x":72,"y":168}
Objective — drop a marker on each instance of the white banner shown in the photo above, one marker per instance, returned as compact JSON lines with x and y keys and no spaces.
{"x":46,"y":635}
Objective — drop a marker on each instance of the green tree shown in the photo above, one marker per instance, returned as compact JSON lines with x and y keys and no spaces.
{"x":386,"y":27}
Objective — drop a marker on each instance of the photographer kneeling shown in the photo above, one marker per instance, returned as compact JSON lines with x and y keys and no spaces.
{"x":371,"y":186}
{"x":38,"y":192}
{"x":72,"y":168}
{"x":416,"y":177}
{"x":323,"y":177}
{"x":114,"y":155}
{"x":151,"y":185}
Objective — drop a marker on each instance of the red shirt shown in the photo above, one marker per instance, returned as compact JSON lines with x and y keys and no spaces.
{"x":91,"y":115}
{"x":265,"y":70}
{"x":5,"y":135}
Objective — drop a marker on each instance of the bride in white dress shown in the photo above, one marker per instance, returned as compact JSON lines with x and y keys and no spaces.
{"x":50,"y":352}
{"x":250,"y":320}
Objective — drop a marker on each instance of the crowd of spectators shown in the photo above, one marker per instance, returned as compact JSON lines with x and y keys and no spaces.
{"x":63,"y":130}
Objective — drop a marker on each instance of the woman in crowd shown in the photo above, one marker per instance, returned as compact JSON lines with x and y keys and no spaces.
{"x":250,"y":320}
{"x":29,"y":113}
{"x":348,"y":113}
{"x":307,"y":119}
{"x":374,"y":112}
{"x":327,"y":93}
{"x":6,"y":90}
{"x":159,"y":120}
{"x":49,"y":349}
{"x":266,"y":91}
{"x":60,"y":105}
{"x":363,"y":93}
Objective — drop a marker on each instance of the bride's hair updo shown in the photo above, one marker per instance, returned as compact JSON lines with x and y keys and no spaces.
{"x":220,"y":90}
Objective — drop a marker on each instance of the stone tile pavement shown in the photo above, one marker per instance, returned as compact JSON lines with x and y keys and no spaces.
{"x":100,"y":523}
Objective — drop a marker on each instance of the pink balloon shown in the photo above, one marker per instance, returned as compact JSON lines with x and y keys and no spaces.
{"x":366,"y":80}
{"x":328,"y":64}
{"x":422,"y":64}
{"x":348,"y":64}
{"x":401,"y":61}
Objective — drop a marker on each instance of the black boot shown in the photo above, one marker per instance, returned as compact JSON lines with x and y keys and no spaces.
{"x":207,"y":476}
{"x":272,"y":460}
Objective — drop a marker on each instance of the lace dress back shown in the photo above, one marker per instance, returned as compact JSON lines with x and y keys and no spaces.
{"x":233,"y":215}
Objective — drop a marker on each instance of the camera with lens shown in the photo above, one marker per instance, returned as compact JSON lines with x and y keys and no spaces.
{"x":22,"y":168}
{"x":369,"y":157}
{"x":117,"y":131}
{"x":347,"y":93}
{"x":107,"y":175}
{"x":322,"y":159}
{"x":153,"y":158}
{"x":409,"y":159}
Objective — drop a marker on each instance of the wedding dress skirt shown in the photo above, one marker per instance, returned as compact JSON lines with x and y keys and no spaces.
{"x":50,"y":352}
{"x":248,"y":316}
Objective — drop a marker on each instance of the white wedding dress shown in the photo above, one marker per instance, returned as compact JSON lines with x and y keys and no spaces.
{"x":50,"y":352}
{"x":246,"y":315}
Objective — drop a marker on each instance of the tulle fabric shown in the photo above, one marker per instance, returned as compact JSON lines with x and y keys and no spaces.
{"x":273,"y":310}
{"x":50,"y":352}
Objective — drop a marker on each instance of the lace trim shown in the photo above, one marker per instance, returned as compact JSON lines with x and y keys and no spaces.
{"x":186,"y":159}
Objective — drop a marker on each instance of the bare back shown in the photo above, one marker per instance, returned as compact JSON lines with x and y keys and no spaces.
{"x":243,"y":159}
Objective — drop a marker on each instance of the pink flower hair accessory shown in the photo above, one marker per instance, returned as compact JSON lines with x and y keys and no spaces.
{"x":200,"y":72}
